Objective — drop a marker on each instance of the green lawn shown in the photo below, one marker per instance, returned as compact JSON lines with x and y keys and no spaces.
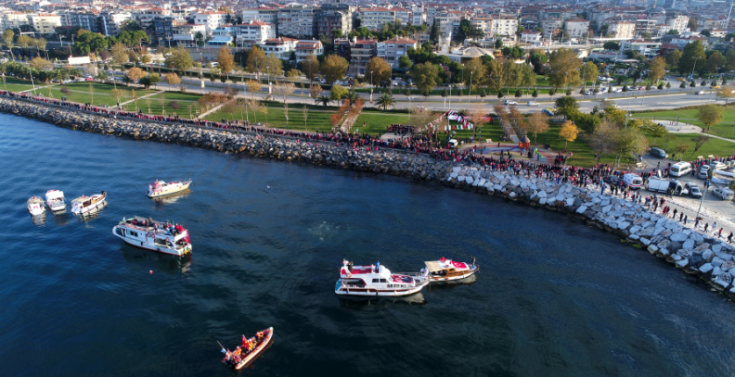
{"x":725,"y":129}
{"x":276,"y":117}
{"x":377,"y":123}
{"x":79,"y":92}
{"x":715,"y":146}
{"x":15,"y":85}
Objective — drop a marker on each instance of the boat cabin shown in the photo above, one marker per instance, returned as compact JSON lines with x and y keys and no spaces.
{"x":447,"y":268}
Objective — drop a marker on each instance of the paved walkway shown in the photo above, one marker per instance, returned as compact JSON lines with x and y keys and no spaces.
{"x":680,"y":127}
{"x":141,"y":97}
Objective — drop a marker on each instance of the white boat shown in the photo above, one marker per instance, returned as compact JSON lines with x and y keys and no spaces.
{"x":153,"y":235}
{"x":161,"y":188}
{"x":87,"y":204}
{"x":55,"y":200}
{"x":35,"y":206}
{"x":447,"y":270}
{"x":377,"y":281}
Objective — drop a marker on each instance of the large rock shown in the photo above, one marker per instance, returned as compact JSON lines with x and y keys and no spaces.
{"x":705,"y":268}
{"x":679,"y":237}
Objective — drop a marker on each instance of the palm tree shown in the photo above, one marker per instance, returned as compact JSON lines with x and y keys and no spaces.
{"x":386,"y":100}
{"x":352,"y":96}
{"x":324,"y":100}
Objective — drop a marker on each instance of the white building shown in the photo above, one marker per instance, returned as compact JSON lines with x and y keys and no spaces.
{"x":297,"y":20}
{"x":531,"y":36}
{"x":185,"y":34}
{"x":13,"y":20}
{"x":496,"y":25}
{"x":264,"y":13}
{"x":210,"y":19}
{"x":374,"y":18}
{"x":254,"y":33}
{"x":110,"y":22}
{"x":549,"y":27}
{"x":577,"y":28}
{"x":621,"y":30}
{"x":45,"y":23}
{"x":306,"y":48}
{"x":679,"y":23}
{"x":145,"y":16}
{"x":281,"y":47}
{"x":649,"y":49}
{"x":392,"y":49}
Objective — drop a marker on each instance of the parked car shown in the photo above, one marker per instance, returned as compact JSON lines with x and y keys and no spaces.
{"x":703,"y":172}
{"x":611,"y":179}
{"x":699,"y":92}
{"x":509,"y":102}
{"x":717,"y":166}
{"x":452,"y":143}
{"x":723,"y":193}
{"x":694,"y":191}
{"x":658,"y":152}
{"x":680,"y":79}
{"x":548,"y":112}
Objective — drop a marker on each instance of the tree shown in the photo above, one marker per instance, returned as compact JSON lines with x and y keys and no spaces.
{"x":714,"y":62}
{"x":590,"y":72}
{"x":603,"y":139}
{"x":253,"y":87}
{"x":434,"y":33}
{"x":692,"y":25}
{"x":24,"y":41}
{"x":273,"y":66}
{"x":630,"y":141}
{"x":404,"y":62}
{"x":656,"y":69}
{"x":225,"y":60}
{"x":285,"y":89}
{"x":172,"y":79}
{"x":672,"y":58}
{"x":726,"y":92}
{"x":681,"y":149}
{"x":41,"y":64}
{"x":334,"y":68}
{"x":324,"y":100}
{"x":293,"y":74}
{"x":379,"y":71}
{"x":564,"y":68}
{"x":315,"y":91}
{"x":425,"y":77}
{"x":8,"y":35}
{"x":134,"y":74}
{"x":119,"y":53}
{"x":179,"y":59}
{"x":567,"y":106}
{"x":538,"y":123}
{"x":310,"y":66}
{"x":256,"y":59}
{"x":495,"y":75}
{"x":475,"y":73}
{"x":568,"y":132}
{"x":693,"y":54}
{"x":710,"y":115}
{"x":385,"y":100}
{"x":338,"y":92}
{"x":41,"y":43}
{"x":611,"y":46}
{"x":699,"y":141}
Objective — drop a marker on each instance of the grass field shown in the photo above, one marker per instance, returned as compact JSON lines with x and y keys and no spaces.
{"x":377,"y":123}
{"x":725,"y":129}
{"x":79,"y":92}
{"x":276,"y":117}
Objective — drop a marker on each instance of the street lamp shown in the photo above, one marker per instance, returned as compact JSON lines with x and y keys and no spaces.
{"x":701,"y":200}
{"x":471,"y":72}
{"x":409,"y":110}
{"x":450,"y":98}
{"x":371,"y":86}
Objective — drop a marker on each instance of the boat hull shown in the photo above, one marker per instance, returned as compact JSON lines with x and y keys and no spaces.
{"x":143,"y":245}
{"x":342,"y":290}
{"x":55,"y":207}
{"x":257,"y":351}
{"x":465,"y":274}
{"x":35,"y":211}
{"x":89,"y":209}
{"x":169,"y":192}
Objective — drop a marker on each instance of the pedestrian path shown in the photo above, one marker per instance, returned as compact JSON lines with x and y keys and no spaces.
{"x":37,"y":88}
{"x":201,"y":116}
{"x":141,"y":97}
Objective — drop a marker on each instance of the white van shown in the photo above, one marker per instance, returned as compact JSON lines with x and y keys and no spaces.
{"x":680,"y":168}
{"x":633,"y":181}
{"x":452,"y":143}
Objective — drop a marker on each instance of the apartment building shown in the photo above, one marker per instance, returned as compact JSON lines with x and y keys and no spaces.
{"x":496,"y":25}
{"x":14,"y":20}
{"x":185,"y":35}
{"x":145,"y":16}
{"x":210,"y":19}
{"x":362,"y":50}
{"x":649,"y":49}
{"x":329,"y":21}
{"x":621,"y":30}
{"x":254,"y":32}
{"x":549,"y":27}
{"x":645,"y":25}
{"x":85,"y":20}
{"x":305,"y":48}
{"x":448,"y":22}
{"x":392,"y":49}
{"x":111,"y":22}
{"x":374,"y":18}
{"x":404,"y":15}
{"x":165,"y":27}
{"x":281,"y":47}
{"x":45,"y":23}
{"x":531,"y":36}
{"x":297,"y":21}
{"x":679,"y":23}
{"x":267,"y":14}
{"x":577,"y":28}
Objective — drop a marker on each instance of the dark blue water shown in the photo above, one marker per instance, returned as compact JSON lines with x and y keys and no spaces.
{"x":554,"y":297}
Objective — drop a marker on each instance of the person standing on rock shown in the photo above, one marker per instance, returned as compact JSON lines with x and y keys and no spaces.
{"x":729,"y":238}
{"x":719,"y":234}
{"x":685,"y":220}
{"x":681,"y":215}
{"x":675,"y":211}
{"x":706,"y":225}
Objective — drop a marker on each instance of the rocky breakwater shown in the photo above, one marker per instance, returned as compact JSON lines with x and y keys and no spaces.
{"x":265,"y":146}
{"x":687,"y":249}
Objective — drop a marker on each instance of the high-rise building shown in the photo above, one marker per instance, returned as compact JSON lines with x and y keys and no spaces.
{"x":297,"y":21}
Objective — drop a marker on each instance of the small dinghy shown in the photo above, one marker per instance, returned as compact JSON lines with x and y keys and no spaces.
{"x":246,"y":352}
{"x":55,"y":200}
{"x":35,"y":206}
{"x":447,"y":270}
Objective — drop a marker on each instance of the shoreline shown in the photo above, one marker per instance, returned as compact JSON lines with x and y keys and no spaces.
{"x":688,"y":249}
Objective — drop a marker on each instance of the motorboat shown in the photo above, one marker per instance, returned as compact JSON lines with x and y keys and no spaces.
{"x":377,"y":281}
{"x":246,"y":352}
{"x":87,"y":204}
{"x":447,"y":270}
{"x":163,"y":237}
{"x":161,"y":188}
{"x":55,"y":200}
{"x":35,"y":206}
